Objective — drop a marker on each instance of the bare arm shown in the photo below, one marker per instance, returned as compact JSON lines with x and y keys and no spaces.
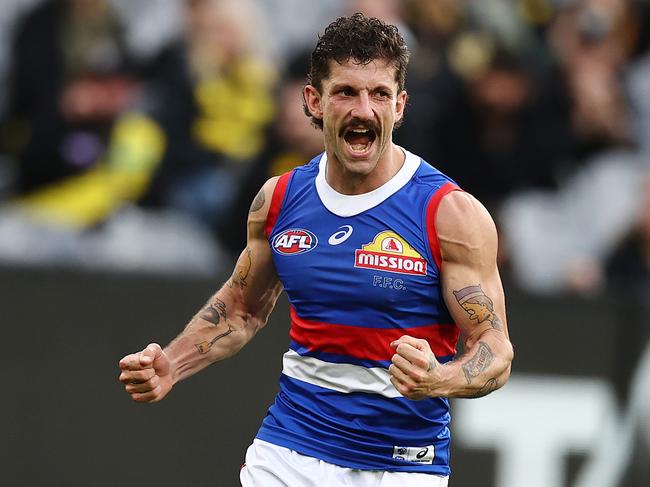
{"x":474,"y":295}
{"x":229,"y":320}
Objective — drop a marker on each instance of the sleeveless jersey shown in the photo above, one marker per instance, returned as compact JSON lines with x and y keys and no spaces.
{"x":359,"y":271}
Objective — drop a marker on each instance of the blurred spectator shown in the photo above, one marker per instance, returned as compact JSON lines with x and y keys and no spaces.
{"x":593,"y":40}
{"x":81,"y":156}
{"x":481,"y":103}
{"x":71,"y":76}
{"x":212,"y":99}
{"x":60,"y":133}
{"x":507,"y":128}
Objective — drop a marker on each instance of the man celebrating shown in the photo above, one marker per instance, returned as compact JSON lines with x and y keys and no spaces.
{"x":381,"y":257}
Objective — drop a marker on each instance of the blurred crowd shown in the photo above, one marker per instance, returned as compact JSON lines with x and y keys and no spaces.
{"x":133,"y":135}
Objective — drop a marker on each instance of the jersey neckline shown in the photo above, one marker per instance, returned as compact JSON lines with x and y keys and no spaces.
{"x":345,"y":205}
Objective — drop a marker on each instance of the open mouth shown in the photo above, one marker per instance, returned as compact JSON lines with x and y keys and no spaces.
{"x":359,"y":139}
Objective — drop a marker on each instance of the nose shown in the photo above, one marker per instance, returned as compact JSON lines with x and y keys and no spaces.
{"x":362,"y":108}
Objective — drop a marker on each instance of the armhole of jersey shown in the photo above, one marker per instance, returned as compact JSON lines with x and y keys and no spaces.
{"x":432,"y":211}
{"x":276,"y":202}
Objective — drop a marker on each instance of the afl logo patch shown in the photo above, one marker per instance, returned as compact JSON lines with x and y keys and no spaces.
{"x":294,"y":241}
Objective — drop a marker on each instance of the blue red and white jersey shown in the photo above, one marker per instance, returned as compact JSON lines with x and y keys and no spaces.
{"x":359,"y":271}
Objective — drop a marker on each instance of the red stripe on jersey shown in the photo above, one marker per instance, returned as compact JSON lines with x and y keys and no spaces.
{"x":368,"y":343}
{"x":432,"y":211}
{"x":276,"y":201}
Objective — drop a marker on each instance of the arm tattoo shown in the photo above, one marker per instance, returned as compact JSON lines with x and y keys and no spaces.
{"x":478,"y":305}
{"x":243,"y":269}
{"x":479,"y":362}
{"x":204,"y":347}
{"x":214,"y":311}
{"x":489,"y":386}
{"x":258,"y":202}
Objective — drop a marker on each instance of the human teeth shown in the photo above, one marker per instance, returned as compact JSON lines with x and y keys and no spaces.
{"x":358,"y":147}
{"x":360,"y":131}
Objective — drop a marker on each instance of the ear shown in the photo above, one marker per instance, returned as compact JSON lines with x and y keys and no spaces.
{"x":400,"y":105}
{"x":313,"y":101}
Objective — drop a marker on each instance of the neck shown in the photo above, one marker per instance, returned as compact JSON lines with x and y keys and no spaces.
{"x":350,"y":183}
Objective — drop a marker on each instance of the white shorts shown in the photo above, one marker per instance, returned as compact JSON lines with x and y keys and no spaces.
{"x":269,"y":465}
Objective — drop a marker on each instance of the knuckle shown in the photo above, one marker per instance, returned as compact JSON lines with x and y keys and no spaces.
{"x":142,"y":376}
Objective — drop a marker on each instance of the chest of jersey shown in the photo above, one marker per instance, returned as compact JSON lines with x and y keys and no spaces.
{"x":372,"y":269}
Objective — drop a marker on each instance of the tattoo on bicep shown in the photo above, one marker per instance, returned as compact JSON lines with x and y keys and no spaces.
{"x":214,"y":311}
{"x":204,"y":347}
{"x":258,"y":202}
{"x":243,"y":269}
{"x":478,"y":305}
{"x":489,"y":386}
{"x":479,"y":362}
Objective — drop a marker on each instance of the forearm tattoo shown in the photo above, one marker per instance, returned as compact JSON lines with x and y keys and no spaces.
{"x":214,"y":311}
{"x":479,"y":362}
{"x":258,"y":202}
{"x":204,"y":347}
{"x":488,"y":387}
{"x":478,"y":305}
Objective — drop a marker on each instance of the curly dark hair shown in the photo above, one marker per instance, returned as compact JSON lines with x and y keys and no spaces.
{"x":362,"y":39}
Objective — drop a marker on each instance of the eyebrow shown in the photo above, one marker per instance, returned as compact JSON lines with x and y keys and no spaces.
{"x":379,"y":87}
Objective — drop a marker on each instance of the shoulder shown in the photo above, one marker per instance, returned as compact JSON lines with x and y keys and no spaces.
{"x":464,"y":226}
{"x":261,"y":209}
{"x":261,"y":204}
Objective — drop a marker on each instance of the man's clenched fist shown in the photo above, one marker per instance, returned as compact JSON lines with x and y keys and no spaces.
{"x":146,"y":374}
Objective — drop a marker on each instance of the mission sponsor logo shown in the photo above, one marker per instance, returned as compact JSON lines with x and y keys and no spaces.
{"x":294,"y":241}
{"x":391,"y":253}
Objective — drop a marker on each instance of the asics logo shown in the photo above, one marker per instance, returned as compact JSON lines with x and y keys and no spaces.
{"x":422,"y":453}
{"x":341,"y":235}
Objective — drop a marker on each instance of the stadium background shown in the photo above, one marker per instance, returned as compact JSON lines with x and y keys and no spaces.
{"x":134,"y":134}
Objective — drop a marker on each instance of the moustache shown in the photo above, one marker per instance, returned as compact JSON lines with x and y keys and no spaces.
{"x":356,"y":123}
